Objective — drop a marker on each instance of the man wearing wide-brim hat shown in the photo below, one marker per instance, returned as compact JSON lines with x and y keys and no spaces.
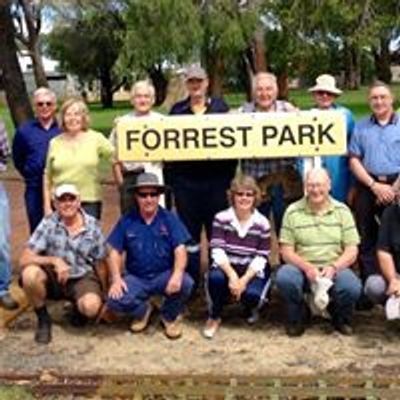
{"x":153,"y":242}
{"x":325,"y":92}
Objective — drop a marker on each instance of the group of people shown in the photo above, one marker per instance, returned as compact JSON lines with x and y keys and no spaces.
{"x":153,"y":251}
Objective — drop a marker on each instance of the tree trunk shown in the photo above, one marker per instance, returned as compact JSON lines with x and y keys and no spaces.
{"x":37,"y":63}
{"x":160,"y":83}
{"x":216,"y":70}
{"x":11,"y":75}
{"x":260,"y":61}
{"x":106,"y":88}
{"x":382,"y":61}
{"x":352,"y":72}
{"x":283,"y":85}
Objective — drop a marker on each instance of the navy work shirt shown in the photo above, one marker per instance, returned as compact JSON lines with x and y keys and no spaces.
{"x":29,"y":150}
{"x":149,"y":247}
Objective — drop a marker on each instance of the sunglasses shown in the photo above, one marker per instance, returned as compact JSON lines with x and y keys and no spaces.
{"x":66,"y":198}
{"x":323,"y":93}
{"x":245,"y":194}
{"x":147,"y":194}
{"x":44,"y":103}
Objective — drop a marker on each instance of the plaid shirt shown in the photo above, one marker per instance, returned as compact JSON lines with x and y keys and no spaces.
{"x":80,"y":252}
{"x":4,"y":147}
{"x":257,"y":168}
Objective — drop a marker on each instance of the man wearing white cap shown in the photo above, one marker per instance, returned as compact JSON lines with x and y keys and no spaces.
{"x":60,"y":260}
{"x":325,"y":94}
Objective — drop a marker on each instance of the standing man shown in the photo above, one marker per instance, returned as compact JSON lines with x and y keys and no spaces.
{"x":126,"y":172}
{"x":375,"y":162}
{"x":277,"y":177}
{"x":318,"y":239}
{"x":199,"y":187}
{"x":380,"y":286}
{"x":152,"y":240}
{"x":29,"y":151}
{"x":6,"y":300}
{"x":325,"y":94}
{"x":60,"y":261}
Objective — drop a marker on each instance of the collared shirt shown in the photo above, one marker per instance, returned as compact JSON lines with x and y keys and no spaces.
{"x":149,"y":247}
{"x":243,"y":247}
{"x":4,"y":147}
{"x":257,"y":168}
{"x":29,"y":150}
{"x":80,"y":252}
{"x":319,"y":238}
{"x":202,"y":170}
{"x":337,"y":166}
{"x":377,"y":146}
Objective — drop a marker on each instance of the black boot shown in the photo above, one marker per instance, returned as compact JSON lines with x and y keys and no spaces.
{"x":43,"y":330}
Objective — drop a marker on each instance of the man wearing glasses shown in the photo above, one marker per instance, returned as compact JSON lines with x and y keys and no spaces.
{"x":153,"y":240}
{"x":29,"y":151}
{"x":60,"y":262}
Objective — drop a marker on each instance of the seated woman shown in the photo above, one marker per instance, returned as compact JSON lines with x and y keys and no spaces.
{"x":240,"y":246}
{"x":74,"y":157}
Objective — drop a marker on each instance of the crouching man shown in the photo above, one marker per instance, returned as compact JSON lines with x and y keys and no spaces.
{"x":60,"y":260}
{"x":318,"y":239}
{"x":153,"y":240}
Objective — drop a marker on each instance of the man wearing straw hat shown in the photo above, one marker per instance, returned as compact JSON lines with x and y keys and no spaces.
{"x":325,"y":94}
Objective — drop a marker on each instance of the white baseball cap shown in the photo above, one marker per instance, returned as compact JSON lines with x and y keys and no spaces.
{"x":65,"y":188}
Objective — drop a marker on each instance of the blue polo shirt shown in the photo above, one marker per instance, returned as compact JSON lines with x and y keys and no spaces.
{"x":377,"y":146}
{"x":29,"y":150}
{"x":149,"y":247}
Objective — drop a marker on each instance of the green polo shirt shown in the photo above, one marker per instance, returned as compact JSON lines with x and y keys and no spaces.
{"x":319,"y":238}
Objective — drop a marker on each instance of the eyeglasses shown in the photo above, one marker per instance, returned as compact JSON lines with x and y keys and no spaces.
{"x":147,"y":194}
{"x":245,"y":194}
{"x":44,"y":103}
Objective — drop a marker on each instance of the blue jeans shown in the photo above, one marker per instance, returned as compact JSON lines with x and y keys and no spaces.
{"x":34,"y":205}
{"x":5,"y":262}
{"x":345,"y":292}
{"x":218,"y":293}
{"x":134,"y":301}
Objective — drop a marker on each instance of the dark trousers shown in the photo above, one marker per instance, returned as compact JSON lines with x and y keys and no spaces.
{"x":218,"y":293}
{"x":34,"y":205}
{"x":367,"y":213}
{"x":197,"y":202}
{"x":126,"y":190}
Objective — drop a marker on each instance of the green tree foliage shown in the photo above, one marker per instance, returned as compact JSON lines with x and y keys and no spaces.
{"x":87,"y":41}
{"x":160,"y":33}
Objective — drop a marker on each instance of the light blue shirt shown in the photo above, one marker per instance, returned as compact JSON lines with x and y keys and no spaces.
{"x":377,"y":146}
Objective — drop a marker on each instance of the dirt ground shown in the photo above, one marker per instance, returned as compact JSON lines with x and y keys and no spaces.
{"x":238,"y":349}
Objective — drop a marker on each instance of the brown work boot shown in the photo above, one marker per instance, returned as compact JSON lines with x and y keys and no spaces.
{"x":140,"y":325}
{"x":172,"y":329}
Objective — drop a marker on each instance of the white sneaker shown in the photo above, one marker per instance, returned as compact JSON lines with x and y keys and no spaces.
{"x":211,"y":328}
{"x":253,"y":317}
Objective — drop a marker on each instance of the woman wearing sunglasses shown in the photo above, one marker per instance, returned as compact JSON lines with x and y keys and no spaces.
{"x":240,"y":246}
{"x":74,"y":157}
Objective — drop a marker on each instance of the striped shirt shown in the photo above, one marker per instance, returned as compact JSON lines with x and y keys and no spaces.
{"x":243,"y":247}
{"x":319,"y":238}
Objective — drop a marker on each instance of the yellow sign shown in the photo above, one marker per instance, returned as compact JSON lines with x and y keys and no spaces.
{"x":224,"y":136}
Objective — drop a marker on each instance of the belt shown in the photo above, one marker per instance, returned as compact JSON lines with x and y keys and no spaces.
{"x":386,"y":178}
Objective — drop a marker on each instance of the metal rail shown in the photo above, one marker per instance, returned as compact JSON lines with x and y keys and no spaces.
{"x":205,"y":387}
